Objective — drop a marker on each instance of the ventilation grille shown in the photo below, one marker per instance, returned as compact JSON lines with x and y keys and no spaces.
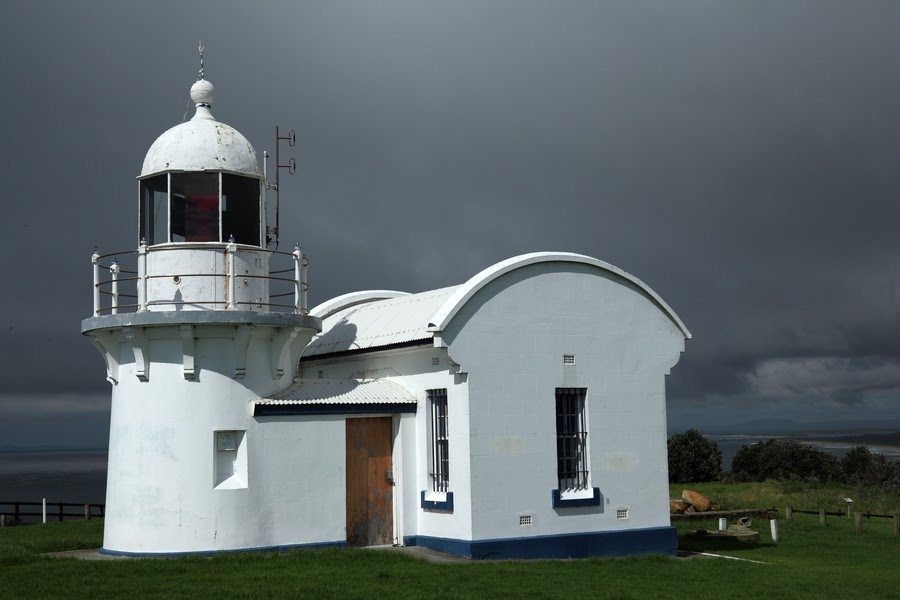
{"x":568,"y":359}
{"x":525,"y":520}
{"x":621,"y":513}
{"x":435,"y":361}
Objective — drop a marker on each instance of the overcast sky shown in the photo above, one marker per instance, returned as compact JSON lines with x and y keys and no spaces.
{"x":739,"y":157}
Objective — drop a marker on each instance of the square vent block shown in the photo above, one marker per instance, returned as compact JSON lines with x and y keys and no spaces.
{"x":568,"y":359}
{"x":526,"y":520}
{"x":621,"y":513}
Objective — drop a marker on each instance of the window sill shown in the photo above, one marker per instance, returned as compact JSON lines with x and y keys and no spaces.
{"x":577,"y":499}
{"x":437,"y":501}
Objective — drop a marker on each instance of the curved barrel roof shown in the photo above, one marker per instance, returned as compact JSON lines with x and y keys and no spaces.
{"x":379,"y":318}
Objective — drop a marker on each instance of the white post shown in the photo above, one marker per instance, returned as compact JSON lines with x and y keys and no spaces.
{"x":114,"y":272}
{"x":304,"y":286}
{"x":231,"y":248}
{"x":723,"y":523}
{"x":142,"y":276}
{"x":44,"y":511}
{"x":298,"y":257}
{"x":773,"y":524}
{"x":95,"y":258}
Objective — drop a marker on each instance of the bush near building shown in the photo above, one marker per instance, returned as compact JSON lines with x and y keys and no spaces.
{"x":693,"y":458}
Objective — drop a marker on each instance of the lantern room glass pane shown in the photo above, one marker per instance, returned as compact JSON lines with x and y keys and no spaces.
{"x":154,"y":198}
{"x":195,"y":207}
{"x":240,"y":209}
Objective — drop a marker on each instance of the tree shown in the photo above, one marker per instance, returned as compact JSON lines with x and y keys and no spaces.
{"x":783,"y":459}
{"x":860,"y":465}
{"x":693,"y":458}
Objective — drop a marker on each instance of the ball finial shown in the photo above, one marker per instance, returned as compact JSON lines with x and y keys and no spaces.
{"x":202,"y":93}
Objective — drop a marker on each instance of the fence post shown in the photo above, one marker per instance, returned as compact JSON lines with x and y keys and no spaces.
{"x":723,"y":524}
{"x":857,"y":521}
{"x":2,"y":520}
{"x":822,"y":517}
{"x":788,"y":512}
{"x":87,"y":512}
{"x":773,"y":525}
{"x":897,"y":523}
{"x":60,"y":511}
{"x":43,"y":511}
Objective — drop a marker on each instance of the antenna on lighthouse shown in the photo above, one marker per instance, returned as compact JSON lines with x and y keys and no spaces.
{"x":291,"y":166}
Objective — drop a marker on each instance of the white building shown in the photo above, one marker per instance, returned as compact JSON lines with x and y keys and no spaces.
{"x":520,"y":414}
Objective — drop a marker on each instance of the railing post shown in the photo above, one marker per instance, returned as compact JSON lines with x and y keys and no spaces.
{"x":114,"y":273}
{"x":44,"y":511}
{"x":87,"y":512}
{"x":298,"y":292}
{"x":142,"y":276}
{"x":60,"y":512}
{"x":231,"y":248}
{"x":304,"y":284}
{"x":95,"y":259}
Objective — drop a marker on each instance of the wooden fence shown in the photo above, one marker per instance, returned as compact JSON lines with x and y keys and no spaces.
{"x":857,"y":517}
{"x":12,"y":513}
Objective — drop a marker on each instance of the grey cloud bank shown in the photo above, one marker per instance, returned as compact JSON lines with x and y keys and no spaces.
{"x":739,"y":158}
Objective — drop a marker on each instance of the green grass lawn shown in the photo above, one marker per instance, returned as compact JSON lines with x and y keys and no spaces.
{"x":799,"y":494}
{"x":808,"y":562}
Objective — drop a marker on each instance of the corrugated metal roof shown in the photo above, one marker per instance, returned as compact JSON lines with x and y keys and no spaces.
{"x":379,"y":323}
{"x":340,"y":391}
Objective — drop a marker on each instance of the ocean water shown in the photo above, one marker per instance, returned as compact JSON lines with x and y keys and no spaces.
{"x":77,"y":476}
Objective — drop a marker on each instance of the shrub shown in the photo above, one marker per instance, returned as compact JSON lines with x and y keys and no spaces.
{"x":785,"y":460}
{"x":861,"y":466}
{"x":693,"y":458}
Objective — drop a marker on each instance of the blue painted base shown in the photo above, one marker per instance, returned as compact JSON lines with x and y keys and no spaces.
{"x":315,"y":546}
{"x":655,"y":540}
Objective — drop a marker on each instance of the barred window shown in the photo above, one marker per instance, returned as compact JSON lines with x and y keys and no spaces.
{"x":571,"y":439}
{"x":440,"y":456}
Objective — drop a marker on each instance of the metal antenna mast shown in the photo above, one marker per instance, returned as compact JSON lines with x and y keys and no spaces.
{"x":291,"y":166}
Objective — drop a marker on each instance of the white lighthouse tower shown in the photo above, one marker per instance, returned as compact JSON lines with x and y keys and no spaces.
{"x":191,"y":334}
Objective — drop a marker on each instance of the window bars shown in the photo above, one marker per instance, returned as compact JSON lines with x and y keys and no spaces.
{"x":571,"y":439}
{"x":440,"y":457}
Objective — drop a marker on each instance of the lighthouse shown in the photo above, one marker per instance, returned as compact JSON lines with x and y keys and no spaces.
{"x":192,"y":329}
{"x":518,"y":414}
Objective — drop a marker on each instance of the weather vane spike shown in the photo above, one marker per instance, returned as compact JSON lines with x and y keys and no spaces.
{"x":200,"y":48}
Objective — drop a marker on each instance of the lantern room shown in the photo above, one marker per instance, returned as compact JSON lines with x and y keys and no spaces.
{"x":200,"y":182}
{"x":202,"y":227}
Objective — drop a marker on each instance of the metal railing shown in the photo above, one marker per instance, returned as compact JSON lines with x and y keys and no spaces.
{"x":137,"y":278}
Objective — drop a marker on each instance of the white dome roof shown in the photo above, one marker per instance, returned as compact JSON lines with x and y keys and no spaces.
{"x":201,"y":144}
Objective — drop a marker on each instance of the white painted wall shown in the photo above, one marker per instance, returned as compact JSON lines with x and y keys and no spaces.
{"x":160,"y":492}
{"x":413,"y":369}
{"x":510,"y":338}
{"x":197,"y":274}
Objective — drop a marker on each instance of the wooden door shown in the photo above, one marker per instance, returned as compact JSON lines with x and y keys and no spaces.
{"x":370,"y":490}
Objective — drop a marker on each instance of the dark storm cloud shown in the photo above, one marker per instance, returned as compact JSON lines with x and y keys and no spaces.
{"x":738,"y":157}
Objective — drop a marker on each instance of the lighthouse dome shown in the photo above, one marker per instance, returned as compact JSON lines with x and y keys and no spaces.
{"x":201,"y":144}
